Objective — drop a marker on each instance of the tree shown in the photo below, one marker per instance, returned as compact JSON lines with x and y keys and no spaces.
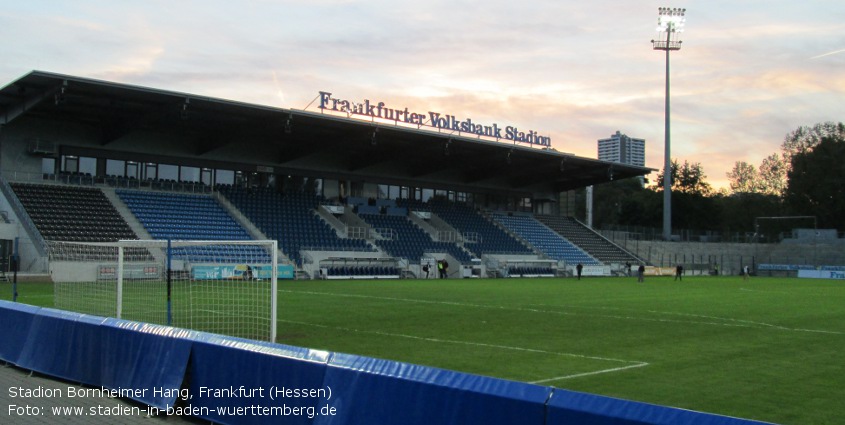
{"x":691,"y":180}
{"x":687,"y":178}
{"x":743,"y":178}
{"x":673,"y":173}
{"x":771,"y":177}
{"x":805,"y":138}
{"x":615,"y":203}
{"x":740,"y":209}
{"x":695,"y":211}
{"x":816,"y":182}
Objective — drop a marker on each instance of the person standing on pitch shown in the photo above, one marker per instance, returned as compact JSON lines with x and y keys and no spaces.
{"x":679,"y":271}
{"x":641,"y":273}
{"x":578,"y":269}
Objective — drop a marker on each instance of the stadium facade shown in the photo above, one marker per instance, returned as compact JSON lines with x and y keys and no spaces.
{"x":68,"y":131}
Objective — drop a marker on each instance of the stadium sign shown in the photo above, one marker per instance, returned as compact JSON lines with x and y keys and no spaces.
{"x":432,"y":119}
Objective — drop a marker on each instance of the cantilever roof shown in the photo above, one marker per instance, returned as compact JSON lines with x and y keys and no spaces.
{"x":288,"y":141}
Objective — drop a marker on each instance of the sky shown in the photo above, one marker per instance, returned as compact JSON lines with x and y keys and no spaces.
{"x":748,"y":72}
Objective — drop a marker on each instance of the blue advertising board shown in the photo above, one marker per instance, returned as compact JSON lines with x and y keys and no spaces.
{"x":240,"y":272}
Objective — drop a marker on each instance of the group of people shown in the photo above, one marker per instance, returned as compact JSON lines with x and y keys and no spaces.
{"x":640,"y":271}
{"x":679,"y":271}
{"x":442,"y":269}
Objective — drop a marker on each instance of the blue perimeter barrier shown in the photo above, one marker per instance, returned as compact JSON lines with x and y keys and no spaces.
{"x":237,"y":381}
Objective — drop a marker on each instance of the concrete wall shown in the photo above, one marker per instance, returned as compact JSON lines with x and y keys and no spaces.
{"x":31,"y":260}
{"x":732,"y":256}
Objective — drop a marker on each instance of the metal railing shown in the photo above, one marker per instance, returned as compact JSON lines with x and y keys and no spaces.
{"x":25,"y":220}
{"x":82,"y":179}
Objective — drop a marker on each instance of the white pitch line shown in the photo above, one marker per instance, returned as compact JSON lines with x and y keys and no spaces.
{"x":742,"y":323}
{"x":233,"y":314}
{"x":739,"y":323}
{"x":765,"y":292}
{"x":373,"y":297}
{"x":597,"y":372}
{"x":819,"y":331}
{"x":469,"y":343}
{"x":633,"y":363}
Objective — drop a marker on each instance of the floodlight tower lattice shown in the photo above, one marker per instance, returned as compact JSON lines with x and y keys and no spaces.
{"x":670,"y":24}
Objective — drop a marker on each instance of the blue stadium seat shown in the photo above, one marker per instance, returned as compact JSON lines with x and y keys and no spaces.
{"x":411,"y":242}
{"x":191,"y":217}
{"x":544,"y":239}
{"x":491,"y":238}
{"x":290,"y":219}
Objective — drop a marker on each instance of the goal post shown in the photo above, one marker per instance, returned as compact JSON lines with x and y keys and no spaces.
{"x":225,"y":287}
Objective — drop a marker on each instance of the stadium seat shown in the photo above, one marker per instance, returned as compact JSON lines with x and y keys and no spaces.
{"x":72,"y":213}
{"x":587,"y":239}
{"x":190,"y":217}
{"x":544,"y":239}
{"x":290,"y":219}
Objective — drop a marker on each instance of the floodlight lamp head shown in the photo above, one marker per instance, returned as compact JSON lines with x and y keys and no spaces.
{"x":671,"y":19}
{"x":670,"y":24}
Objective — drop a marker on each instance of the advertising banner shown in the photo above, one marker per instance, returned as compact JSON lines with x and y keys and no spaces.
{"x":240,"y":272}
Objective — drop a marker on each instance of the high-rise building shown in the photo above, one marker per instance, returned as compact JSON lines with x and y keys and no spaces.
{"x":623,"y":149}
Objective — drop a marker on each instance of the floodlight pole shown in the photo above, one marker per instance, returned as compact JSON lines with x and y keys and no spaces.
{"x":672,"y":21}
{"x":667,"y":158}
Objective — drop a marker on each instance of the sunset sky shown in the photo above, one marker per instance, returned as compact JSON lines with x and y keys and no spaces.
{"x":749,"y":72}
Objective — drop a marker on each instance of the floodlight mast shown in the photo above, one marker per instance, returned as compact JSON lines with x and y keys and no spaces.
{"x":670,"y":23}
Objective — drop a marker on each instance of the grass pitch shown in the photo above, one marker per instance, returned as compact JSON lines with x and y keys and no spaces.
{"x":769,"y":349}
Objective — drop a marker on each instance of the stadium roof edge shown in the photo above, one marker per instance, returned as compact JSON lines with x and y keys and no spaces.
{"x":315,"y":143}
{"x":106,"y":83}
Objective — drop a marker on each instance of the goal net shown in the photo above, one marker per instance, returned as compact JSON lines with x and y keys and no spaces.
{"x":225,"y":287}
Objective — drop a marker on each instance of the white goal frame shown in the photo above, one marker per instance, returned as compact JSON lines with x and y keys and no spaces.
{"x":97,"y":273}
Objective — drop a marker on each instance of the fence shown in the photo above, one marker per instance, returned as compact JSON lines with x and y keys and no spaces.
{"x":730,"y":258}
{"x":235,"y":381}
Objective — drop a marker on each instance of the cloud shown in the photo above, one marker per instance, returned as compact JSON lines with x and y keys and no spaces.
{"x":573,"y":71}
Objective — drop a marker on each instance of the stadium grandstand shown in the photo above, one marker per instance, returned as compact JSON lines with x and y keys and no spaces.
{"x":95,"y":161}
{"x":155,"y":226}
